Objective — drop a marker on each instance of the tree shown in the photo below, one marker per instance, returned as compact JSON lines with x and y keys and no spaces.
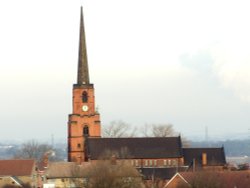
{"x":162,"y":130}
{"x":107,"y":172}
{"x":111,"y":174}
{"x":35,"y":150}
{"x":158,"y":130}
{"x":118,"y":129}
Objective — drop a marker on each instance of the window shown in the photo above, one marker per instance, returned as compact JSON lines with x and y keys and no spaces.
{"x":155,"y":162}
{"x":174,"y":162}
{"x":146,"y":162}
{"x":169,"y":162}
{"x":132,"y":163}
{"x":150,"y":162}
{"x":136,"y":163}
{"x":165,"y":162}
{"x":84,"y":96}
{"x":78,"y":145}
{"x":86,"y":131}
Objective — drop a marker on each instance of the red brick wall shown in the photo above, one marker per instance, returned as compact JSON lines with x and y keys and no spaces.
{"x":170,"y":162}
{"x":78,"y":120}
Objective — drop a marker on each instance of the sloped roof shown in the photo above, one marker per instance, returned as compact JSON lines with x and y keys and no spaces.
{"x":181,"y":182}
{"x":17,"y":167}
{"x":136,"y":148}
{"x":64,"y":170}
{"x":223,"y":179}
{"x":215,"y":156}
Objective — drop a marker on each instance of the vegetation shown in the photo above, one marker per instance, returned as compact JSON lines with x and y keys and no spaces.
{"x":11,"y":150}
{"x":34,"y":150}
{"x":117,"y":129}
{"x":108,"y":174}
{"x":116,"y":175}
{"x":158,"y":130}
{"x":232,"y":147}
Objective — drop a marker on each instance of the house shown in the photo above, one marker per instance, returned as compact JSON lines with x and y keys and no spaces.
{"x":18,"y":172}
{"x":63,"y":174}
{"x":70,"y":174}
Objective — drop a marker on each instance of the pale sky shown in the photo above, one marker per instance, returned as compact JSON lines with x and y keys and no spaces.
{"x":152,"y":61}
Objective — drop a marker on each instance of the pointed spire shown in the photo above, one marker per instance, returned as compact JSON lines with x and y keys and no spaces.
{"x":83,"y":71}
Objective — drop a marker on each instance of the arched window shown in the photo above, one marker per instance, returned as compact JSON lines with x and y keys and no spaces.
{"x":86,"y":131}
{"x":84,"y":96}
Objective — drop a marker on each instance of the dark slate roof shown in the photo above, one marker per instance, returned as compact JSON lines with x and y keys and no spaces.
{"x":136,"y":148}
{"x":161,"y":173}
{"x":17,"y":167}
{"x":215,"y":156}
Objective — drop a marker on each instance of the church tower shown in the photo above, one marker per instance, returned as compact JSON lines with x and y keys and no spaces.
{"x":84,"y":122}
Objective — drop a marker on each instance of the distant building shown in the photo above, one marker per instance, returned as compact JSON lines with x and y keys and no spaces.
{"x":149,"y":155}
{"x":18,"y":173}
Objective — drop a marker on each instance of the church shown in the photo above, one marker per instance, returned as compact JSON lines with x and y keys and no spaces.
{"x":85,"y":143}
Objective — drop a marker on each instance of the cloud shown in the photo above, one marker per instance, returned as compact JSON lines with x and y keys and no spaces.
{"x":232,"y":66}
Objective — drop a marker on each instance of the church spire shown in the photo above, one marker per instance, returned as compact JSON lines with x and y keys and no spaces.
{"x":83,"y":71}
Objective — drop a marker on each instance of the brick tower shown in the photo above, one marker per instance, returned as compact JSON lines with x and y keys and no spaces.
{"x":84,"y":121}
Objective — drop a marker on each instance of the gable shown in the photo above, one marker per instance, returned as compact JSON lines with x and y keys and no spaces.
{"x":177,"y":181}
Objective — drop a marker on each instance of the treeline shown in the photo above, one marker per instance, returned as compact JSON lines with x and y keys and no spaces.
{"x":232,"y":147}
{"x":33,"y":149}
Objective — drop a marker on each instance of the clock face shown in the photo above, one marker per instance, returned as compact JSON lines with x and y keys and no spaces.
{"x":85,"y":108}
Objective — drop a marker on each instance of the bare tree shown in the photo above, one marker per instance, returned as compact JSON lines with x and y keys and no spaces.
{"x":118,"y":129}
{"x":158,"y":130}
{"x":162,"y":130}
{"x":35,"y":150}
{"x":185,"y":142}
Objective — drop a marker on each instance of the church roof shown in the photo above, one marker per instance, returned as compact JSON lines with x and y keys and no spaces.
{"x":215,"y":156}
{"x":135,"y":148}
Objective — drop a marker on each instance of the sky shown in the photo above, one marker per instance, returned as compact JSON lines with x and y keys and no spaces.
{"x":181,"y":62}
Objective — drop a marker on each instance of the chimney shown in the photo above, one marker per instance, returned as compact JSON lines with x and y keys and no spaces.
{"x":204,"y":159}
{"x":45,"y":160}
{"x":113,"y":159}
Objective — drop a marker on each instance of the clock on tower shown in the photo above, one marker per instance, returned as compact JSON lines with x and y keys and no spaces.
{"x":84,"y":122}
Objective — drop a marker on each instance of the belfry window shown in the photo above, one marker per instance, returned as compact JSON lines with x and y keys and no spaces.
{"x":84,"y":96}
{"x":86,"y":131}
